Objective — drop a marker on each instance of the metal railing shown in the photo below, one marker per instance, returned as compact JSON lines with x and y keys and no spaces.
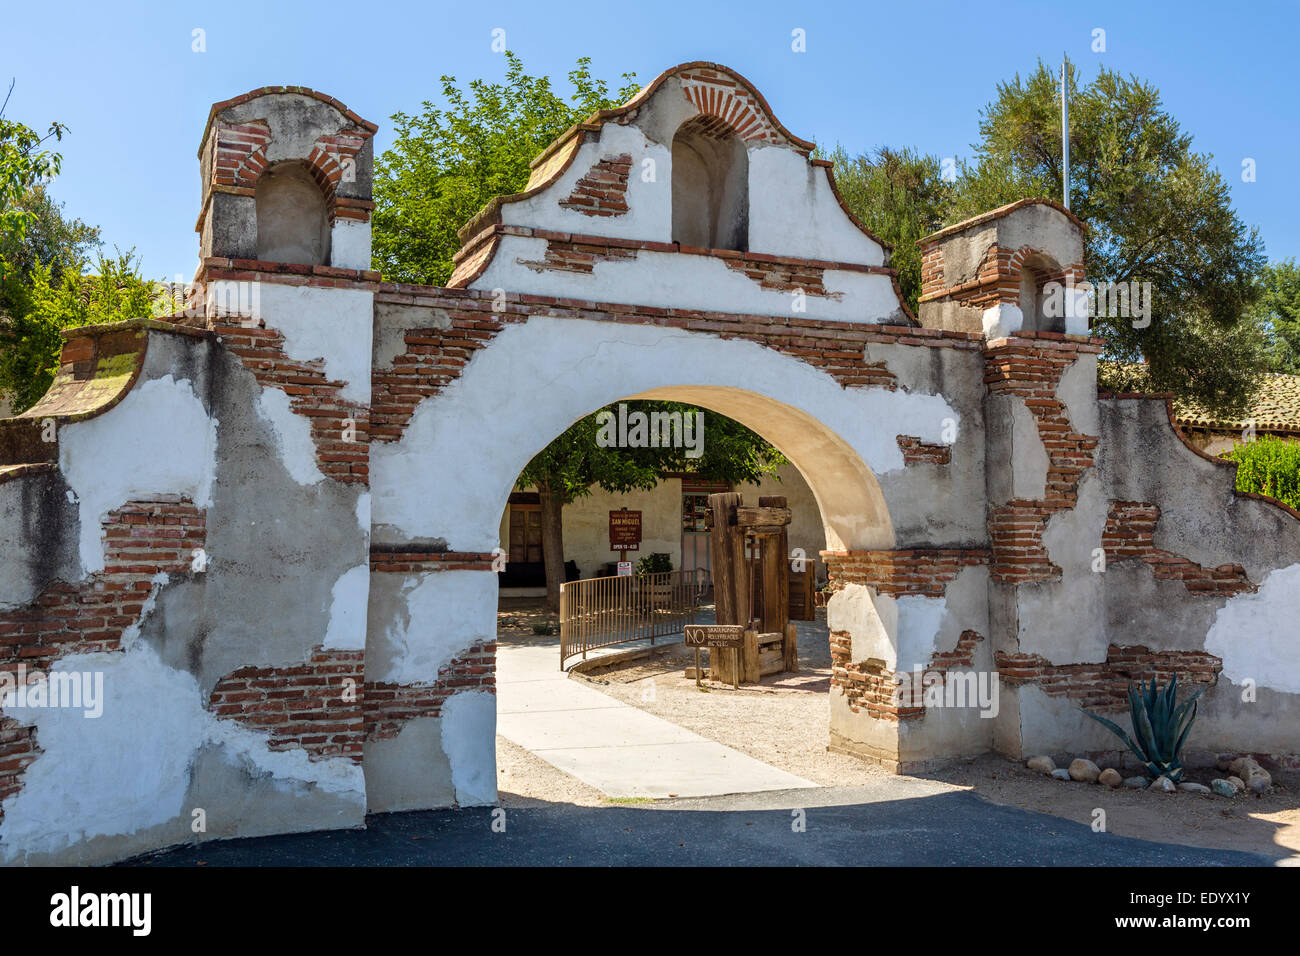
{"x":598,"y":612}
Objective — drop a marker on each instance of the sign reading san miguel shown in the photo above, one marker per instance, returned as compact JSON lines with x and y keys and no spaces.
{"x":625,"y":530}
{"x":714,"y":635}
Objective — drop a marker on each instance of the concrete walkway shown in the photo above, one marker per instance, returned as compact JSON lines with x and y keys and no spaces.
{"x":619,"y":750}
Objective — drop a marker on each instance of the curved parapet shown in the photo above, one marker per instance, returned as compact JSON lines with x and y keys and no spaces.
{"x":98,"y":366}
{"x":690,"y":195}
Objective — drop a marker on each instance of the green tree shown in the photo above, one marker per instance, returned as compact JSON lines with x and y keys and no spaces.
{"x":901,"y":196}
{"x":46,"y":304}
{"x":447,"y":163}
{"x":1156,"y":212}
{"x":1278,"y":312}
{"x":23,"y":167}
{"x":575,"y":463}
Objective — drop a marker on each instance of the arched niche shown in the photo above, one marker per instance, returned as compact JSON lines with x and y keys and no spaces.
{"x":293,"y":223}
{"x":710,"y":186}
{"x":1042,"y":311}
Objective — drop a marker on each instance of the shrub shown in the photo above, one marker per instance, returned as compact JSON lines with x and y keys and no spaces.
{"x":1160,"y":726}
{"x":1269,"y":466}
{"x":656,"y":563}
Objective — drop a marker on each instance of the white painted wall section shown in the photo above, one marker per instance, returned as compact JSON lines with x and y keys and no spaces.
{"x":443,"y":480}
{"x":158,"y":440}
{"x":1256,"y":636}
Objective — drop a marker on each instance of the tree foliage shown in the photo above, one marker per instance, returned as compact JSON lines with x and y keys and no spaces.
{"x":1278,"y":314}
{"x":448,"y":162}
{"x":23,"y":167}
{"x":51,"y":300}
{"x":1156,"y":212}
{"x":575,"y":463}
{"x":901,"y":196}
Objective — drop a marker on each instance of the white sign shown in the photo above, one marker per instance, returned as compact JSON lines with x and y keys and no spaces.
{"x":625,"y":569}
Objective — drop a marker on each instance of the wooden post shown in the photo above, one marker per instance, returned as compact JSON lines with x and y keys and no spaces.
{"x":776,"y":584}
{"x":749,"y":672}
{"x":790,"y":648}
{"x":726,"y":547}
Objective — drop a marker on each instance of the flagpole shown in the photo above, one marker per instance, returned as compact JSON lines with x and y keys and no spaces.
{"x":1065,"y":133}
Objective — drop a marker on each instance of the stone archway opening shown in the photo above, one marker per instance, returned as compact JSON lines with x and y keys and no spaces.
{"x":637,"y":726}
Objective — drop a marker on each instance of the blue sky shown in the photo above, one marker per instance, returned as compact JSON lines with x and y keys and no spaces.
{"x":124,"y":79}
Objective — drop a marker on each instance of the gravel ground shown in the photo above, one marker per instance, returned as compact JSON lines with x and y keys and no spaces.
{"x":783,"y":721}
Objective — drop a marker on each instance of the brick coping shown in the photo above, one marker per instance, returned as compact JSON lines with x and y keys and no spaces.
{"x":999,"y":213}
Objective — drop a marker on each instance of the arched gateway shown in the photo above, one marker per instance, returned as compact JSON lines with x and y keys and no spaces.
{"x":268,"y":524}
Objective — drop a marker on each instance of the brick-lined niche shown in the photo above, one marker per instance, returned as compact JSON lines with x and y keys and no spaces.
{"x":603,"y":190}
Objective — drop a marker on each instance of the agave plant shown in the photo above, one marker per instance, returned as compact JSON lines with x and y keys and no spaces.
{"x":1160,"y":726}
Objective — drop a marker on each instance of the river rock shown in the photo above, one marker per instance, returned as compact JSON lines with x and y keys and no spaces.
{"x":1237,"y":784}
{"x":1084,"y":771}
{"x":1162,"y":784}
{"x":1135,"y":783}
{"x":1259,"y":781}
{"x":1242,"y":767}
{"x":1223,"y":788}
{"x":1193,"y":788}
{"x":1110,"y":777}
{"x":1043,"y":764}
{"x":1061,"y":774}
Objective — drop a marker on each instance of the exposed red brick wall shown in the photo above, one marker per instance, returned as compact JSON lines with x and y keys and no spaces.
{"x":1104,"y":685}
{"x":1030,"y":367}
{"x":302,"y":706}
{"x":389,"y":706}
{"x":784,"y":276}
{"x":434,"y":357}
{"x":239,"y":154}
{"x":872,"y":687}
{"x":311,"y":395}
{"x":996,"y":279}
{"x":1130,"y":534}
{"x":417,"y":561}
{"x":730,"y":107}
{"x":918,"y":571}
{"x":603,"y":190}
{"x":142,"y":538}
{"x":580,"y":256}
{"x":868,"y":685}
{"x":963,"y":655}
{"x":917,"y":452}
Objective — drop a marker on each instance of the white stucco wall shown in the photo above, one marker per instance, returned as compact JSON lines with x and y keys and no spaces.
{"x":445,"y":481}
{"x":157,"y":440}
